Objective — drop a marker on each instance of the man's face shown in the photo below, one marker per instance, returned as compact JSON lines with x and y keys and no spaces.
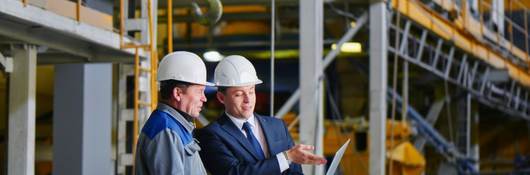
{"x":191,"y":99}
{"x":239,"y":101}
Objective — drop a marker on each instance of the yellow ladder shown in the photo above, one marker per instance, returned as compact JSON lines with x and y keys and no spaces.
{"x":145,"y":84}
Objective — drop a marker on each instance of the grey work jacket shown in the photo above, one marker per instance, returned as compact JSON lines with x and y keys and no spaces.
{"x":166,"y":145}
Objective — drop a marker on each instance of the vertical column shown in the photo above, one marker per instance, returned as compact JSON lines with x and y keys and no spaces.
{"x":145,"y":28}
{"x":378,"y":87}
{"x":475,"y":148}
{"x":463,"y":123}
{"x":468,"y":125}
{"x":311,"y":46}
{"x":97,"y":119}
{"x":82,"y":119}
{"x":21,"y":138}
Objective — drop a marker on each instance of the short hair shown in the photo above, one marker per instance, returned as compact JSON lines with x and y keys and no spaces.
{"x":167,"y":86}
{"x":222,"y":89}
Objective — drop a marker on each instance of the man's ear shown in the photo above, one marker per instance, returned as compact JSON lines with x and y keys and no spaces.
{"x":221,"y":97}
{"x":177,"y":92}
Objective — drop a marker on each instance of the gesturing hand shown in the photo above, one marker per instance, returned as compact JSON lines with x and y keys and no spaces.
{"x":301,"y":154}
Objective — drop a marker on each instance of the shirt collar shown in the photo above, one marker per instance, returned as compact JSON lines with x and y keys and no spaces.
{"x":180,"y":116}
{"x":239,"y":122}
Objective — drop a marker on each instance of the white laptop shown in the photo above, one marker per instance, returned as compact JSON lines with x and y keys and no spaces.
{"x":336,"y":159}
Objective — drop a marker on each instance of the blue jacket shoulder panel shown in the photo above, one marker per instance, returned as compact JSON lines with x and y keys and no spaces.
{"x":159,"y":121}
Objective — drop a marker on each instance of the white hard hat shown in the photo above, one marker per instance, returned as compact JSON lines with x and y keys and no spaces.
{"x":183,"y":66}
{"x":235,"y":70}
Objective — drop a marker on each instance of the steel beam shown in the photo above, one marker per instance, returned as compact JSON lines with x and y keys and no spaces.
{"x":21,"y":139}
{"x":437,"y":53}
{"x":311,"y":51}
{"x":431,"y":118}
{"x":449,"y":62}
{"x":378,"y":86}
{"x":422,"y":45}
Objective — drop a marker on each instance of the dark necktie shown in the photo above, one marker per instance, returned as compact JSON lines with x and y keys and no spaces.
{"x":253,"y":141}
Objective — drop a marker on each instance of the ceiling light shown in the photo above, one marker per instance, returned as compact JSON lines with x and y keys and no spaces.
{"x":212,"y":56}
{"x":353,"y":24}
{"x":349,"y":47}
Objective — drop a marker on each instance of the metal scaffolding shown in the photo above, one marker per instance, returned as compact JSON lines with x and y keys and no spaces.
{"x":449,"y":63}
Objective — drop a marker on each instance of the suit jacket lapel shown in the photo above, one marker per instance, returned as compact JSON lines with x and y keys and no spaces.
{"x":235,"y":132}
{"x":267,"y":132}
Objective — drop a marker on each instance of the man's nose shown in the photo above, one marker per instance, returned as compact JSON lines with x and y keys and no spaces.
{"x":203,"y":98}
{"x":246,"y":98}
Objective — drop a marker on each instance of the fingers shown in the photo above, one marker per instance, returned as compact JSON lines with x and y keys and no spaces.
{"x":304,"y":155}
{"x":315,"y":159}
{"x":304,"y":147}
{"x":308,"y":147}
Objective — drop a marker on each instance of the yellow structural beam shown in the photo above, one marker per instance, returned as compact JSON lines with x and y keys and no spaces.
{"x":485,"y":5}
{"x":463,"y":32}
{"x":477,"y":28}
{"x":169,"y":26}
{"x":509,"y":5}
{"x":154,"y":55}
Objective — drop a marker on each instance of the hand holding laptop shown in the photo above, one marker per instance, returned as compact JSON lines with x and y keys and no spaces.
{"x":301,"y":154}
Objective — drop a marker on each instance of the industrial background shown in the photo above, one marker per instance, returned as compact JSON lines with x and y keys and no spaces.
{"x":419,"y":86}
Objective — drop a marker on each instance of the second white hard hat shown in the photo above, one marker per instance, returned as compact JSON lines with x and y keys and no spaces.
{"x":235,"y":70}
{"x":183,"y":66}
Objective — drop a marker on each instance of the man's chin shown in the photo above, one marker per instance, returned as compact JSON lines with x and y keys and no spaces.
{"x":195,"y":116}
{"x":247,"y":115}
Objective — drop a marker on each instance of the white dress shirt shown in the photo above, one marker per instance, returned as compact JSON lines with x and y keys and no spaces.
{"x":258,"y":133}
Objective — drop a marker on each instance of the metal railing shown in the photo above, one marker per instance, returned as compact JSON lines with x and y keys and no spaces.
{"x":497,"y":24}
{"x":514,"y":30}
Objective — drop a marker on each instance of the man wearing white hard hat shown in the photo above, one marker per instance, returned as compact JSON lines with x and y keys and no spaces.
{"x":166,"y":145}
{"x":241,"y":141}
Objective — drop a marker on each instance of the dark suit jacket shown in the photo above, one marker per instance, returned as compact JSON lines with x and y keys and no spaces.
{"x":225,"y":150}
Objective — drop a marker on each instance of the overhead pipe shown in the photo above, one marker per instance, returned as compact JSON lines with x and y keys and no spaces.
{"x":215,"y":11}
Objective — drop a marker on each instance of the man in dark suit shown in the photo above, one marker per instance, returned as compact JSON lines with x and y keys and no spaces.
{"x":241,"y":141}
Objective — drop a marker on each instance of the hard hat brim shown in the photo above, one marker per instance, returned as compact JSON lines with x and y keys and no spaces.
{"x":240,"y":85}
{"x":204,"y":83}
{"x":192,"y":82}
{"x":208,"y":84}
